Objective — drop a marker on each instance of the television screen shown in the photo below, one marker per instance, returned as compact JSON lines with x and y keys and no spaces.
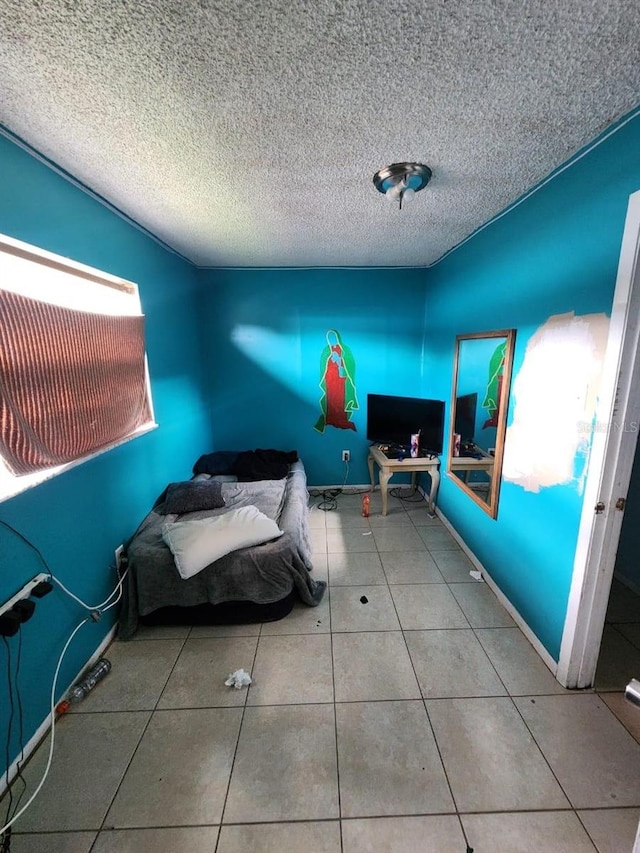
{"x":465,"y":425}
{"x":393,"y":420}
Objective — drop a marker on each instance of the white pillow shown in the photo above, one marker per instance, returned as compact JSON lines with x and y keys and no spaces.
{"x":197,"y":543}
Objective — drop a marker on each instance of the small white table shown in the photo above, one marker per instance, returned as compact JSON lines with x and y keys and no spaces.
{"x":408,"y":465}
{"x":464,"y":466}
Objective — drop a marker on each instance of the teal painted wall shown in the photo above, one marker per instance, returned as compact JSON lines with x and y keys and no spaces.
{"x":267,"y":330}
{"x":235,"y":362}
{"x":78,"y":518}
{"x":556,"y":252}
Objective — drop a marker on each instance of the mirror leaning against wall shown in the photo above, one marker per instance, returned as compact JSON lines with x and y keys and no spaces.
{"x":479,"y":402}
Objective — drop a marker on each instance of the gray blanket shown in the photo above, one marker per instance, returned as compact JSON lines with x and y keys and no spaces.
{"x":261,"y":574}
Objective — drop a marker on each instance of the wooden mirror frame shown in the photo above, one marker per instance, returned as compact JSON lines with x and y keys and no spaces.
{"x":478,"y":463}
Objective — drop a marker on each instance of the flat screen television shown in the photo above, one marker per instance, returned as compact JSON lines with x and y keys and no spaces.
{"x":465,"y":425}
{"x":393,"y":420}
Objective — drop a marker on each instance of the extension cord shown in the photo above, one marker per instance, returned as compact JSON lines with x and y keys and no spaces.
{"x":7,"y":827}
{"x":25,"y":592}
{"x":38,"y":587}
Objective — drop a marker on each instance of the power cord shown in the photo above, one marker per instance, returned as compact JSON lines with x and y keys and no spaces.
{"x":5,"y":837}
{"x":7,"y":755}
{"x":407,"y":495}
{"x":54,"y":687}
{"x":11,"y":680}
{"x":20,"y":761}
{"x":328,"y":499}
{"x":329,"y":496}
{"x":96,"y":608}
{"x":95,"y":614}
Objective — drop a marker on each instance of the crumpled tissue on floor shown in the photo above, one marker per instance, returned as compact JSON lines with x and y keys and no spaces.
{"x":238,"y":679}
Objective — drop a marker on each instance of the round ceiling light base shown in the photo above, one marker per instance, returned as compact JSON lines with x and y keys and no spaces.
{"x":398,"y":178}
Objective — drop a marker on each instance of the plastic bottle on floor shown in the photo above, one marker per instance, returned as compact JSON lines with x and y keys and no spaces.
{"x":85,"y":685}
{"x":366,"y":503}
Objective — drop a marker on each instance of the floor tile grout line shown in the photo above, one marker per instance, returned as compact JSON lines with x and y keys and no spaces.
{"x":151,"y":713}
{"x":611,"y":711}
{"x":143,"y":733}
{"x":583,"y":825}
{"x":491,"y":664}
{"x":92,"y":846}
{"x":415,"y":675}
{"x":508,"y":695}
{"x":433,"y":734}
{"x":599,"y":693}
{"x":330,"y":820}
{"x":335,"y":725}
{"x":419,"y":689}
{"x":616,"y":627}
{"x":444,"y":767}
{"x":244,"y":707}
{"x":535,"y":740}
{"x":461,"y":696}
{"x":569,"y":808}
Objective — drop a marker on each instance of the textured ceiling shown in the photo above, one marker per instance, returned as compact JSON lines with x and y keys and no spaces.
{"x":247,"y":133}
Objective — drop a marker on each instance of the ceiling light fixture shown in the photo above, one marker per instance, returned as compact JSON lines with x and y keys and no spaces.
{"x":400,"y":181}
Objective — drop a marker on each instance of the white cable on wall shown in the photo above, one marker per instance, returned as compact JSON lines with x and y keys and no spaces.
{"x":53,"y":726}
{"x":95,"y":614}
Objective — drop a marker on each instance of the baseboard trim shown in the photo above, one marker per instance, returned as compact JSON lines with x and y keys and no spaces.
{"x":546,"y":658}
{"x":351,"y":488}
{"x":549,"y":662}
{"x":44,"y":727}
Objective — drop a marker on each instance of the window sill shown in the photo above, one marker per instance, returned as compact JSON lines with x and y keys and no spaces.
{"x":11,"y":486}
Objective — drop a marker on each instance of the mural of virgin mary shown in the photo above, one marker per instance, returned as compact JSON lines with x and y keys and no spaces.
{"x":337,"y":372}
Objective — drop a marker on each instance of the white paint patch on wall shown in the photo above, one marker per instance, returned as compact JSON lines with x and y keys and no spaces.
{"x":555,"y":395}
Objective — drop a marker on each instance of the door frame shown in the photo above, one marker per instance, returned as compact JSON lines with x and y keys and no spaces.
{"x":612,"y":453}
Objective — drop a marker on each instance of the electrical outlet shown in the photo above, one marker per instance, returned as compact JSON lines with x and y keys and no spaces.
{"x":118,"y":555}
{"x":346,"y":455}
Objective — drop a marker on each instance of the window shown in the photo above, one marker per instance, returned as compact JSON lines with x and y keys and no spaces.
{"x":73,"y":371}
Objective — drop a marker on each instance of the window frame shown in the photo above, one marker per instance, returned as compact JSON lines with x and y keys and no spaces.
{"x":12,"y":485}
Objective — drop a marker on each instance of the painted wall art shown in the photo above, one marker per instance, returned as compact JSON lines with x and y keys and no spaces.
{"x":491,"y":400}
{"x":337,"y":381}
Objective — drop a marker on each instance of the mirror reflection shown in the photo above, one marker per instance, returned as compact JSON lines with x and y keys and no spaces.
{"x":482,"y":372}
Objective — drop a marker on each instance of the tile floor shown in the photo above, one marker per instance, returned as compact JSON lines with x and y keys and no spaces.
{"x":405,"y":714}
{"x":619,"y":659}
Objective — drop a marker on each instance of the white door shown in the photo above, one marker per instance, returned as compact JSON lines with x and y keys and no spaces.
{"x":612,"y":455}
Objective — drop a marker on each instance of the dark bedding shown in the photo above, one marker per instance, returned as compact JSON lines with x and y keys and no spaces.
{"x":248,"y":464}
{"x":261,"y":574}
